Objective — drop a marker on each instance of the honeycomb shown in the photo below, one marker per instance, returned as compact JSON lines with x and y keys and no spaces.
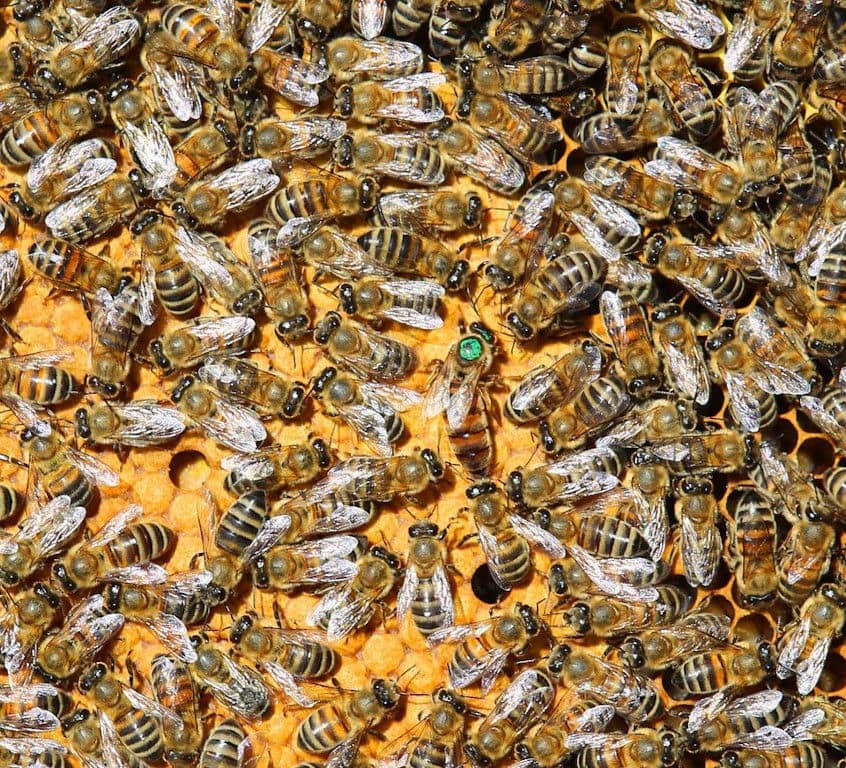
{"x":173,"y":483}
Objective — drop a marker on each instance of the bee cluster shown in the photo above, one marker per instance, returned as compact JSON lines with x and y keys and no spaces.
{"x":638,"y":371}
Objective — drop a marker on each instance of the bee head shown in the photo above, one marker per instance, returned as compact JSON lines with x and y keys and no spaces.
{"x":294,"y":401}
{"x":422,"y":528}
{"x":92,"y":676}
{"x":63,"y":577}
{"x":480,"y":489}
{"x":181,"y":388}
{"x":632,"y":651}
{"x":347,"y":296}
{"x":326,"y":327}
{"x":46,"y":594}
{"x":159,"y":357}
{"x":514,"y":486}
{"x":240,"y":627}
{"x":433,"y":464}
{"x":326,"y":375}
{"x":457,"y":277}
{"x":83,"y":428}
{"x":522,"y":330}
{"x":322,"y":451}
{"x":344,"y":101}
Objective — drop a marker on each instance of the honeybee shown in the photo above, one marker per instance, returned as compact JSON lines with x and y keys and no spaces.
{"x":722,"y":450}
{"x":606,"y":133}
{"x":240,"y":689}
{"x":266,"y":392}
{"x":338,"y":726}
{"x":188,"y":344}
{"x":625,"y":86}
{"x":396,"y":251}
{"x":641,"y":746}
{"x":62,"y":470}
{"x":700,"y":542}
{"x":633,"y":696}
{"x":658,"y":648}
{"x":232,"y":425}
{"x":175,"y":690}
{"x":483,"y":160}
{"x":751,"y":30}
{"x":449,"y":25}
{"x":796,"y":157}
{"x":534,"y":75}
{"x":571,"y":478}
{"x":116,"y":325}
{"x":796,"y":753}
{"x":87,"y":628}
{"x":352,"y":604}
{"x":366,"y":353}
{"x":672,"y":67}
{"x":173,"y":76}
{"x":684,"y":164}
{"x":334,"y":252}
{"x":522,"y":704}
{"x":406,"y":99}
{"x":205,"y":203}
{"x":828,"y":729}
{"x":803,"y":559}
{"x":485,"y":647}
{"x":138,"y":424}
{"x":176,"y":288}
{"x":506,"y":550}
{"x":65,"y":169}
{"x":609,"y":228}
{"x":34,"y":379}
{"x":72,"y":268}
{"x":403,"y":156}
{"x":410,"y":302}
{"x":202,"y":150}
{"x":547,"y":388}
{"x":276,"y":468}
{"x":526,"y":233}
{"x":684,"y":361}
{"x":302,"y":207}
{"x":683,"y":20}
{"x":704,"y":271}
{"x":95,"y":211}
{"x":282,"y":141}
{"x":349,"y":57}
{"x":793,"y":226}
{"x":751,"y":551}
{"x":226,"y":746}
{"x":427,"y":212}
{"x":25,"y":619}
{"x":32,"y":708}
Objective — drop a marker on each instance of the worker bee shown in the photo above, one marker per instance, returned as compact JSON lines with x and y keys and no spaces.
{"x":205,"y":203}
{"x":188,"y":344}
{"x":65,"y":169}
{"x":370,"y":409}
{"x":803,"y":559}
{"x":482,"y":159}
{"x":633,"y":696}
{"x":671,"y":66}
{"x":364,"y":352}
{"x":302,"y":207}
{"x":752,"y":538}
{"x":403,"y":156}
{"x":122,"y":550}
{"x":72,"y":268}
{"x":266,"y":392}
{"x":485,"y":647}
{"x":406,"y":99}
{"x":288,"y":75}
{"x":352,"y":604}
{"x":286,"y":655}
{"x":232,"y":425}
{"x":645,"y":195}
{"x":776,"y":756}
{"x":33,"y":379}
{"x":526,"y":233}
{"x":173,"y":76}
{"x":684,"y":362}
{"x":641,"y":746}
{"x":520,"y":706}
{"x":87,"y":628}
{"x":396,"y":251}
{"x":547,"y":388}
{"x":701,"y":544}
{"x":625,"y":85}
{"x":338,"y":726}
{"x":609,"y":228}
{"x":348,"y":57}
{"x":683,"y":20}
{"x":751,"y":30}
{"x":95,"y":211}
{"x":535,"y":75}
{"x":606,"y":133}
{"x":705,"y":271}
{"x":116,"y":325}
{"x":202,"y":150}
{"x":410,"y":302}
{"x":660,"y":647}
{"x":277,"y":468}
{"x":506,"y":118}
{"x":62,"y":470}
{"x":828,"y":729}
{"x":506,"y":550}
{"x":25,"y":619}
{"x":138,"y":424}
{"x":156,"y":605}
{"x":425,"y":591}
{"x":238,"y":688}
{"x":722,"y":450}
{"x":336,"y":253}
{"x":175,"y":690}
{"x":282,"y":141}
{"x":427,"y":212}
{"x":93,"y":740}
{"x":455,"y":391}
{"x":227,"y":745}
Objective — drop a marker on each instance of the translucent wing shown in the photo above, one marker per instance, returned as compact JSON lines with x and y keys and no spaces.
{"x":10,"y":273}
{"x":407,"y":591}
{"x":808,"y":670}
{"x":691,"y":23}
{"x":106,"y":36}
{"x":179,"y":91}
{"x":369,"y":17}
{"x":409,"y":289}
{"x":173,"y":635}
{"x":689,"y":371}
{"x":265,"y":17}
{"x":48,"y":529}
{"x":791,"y":651}
{"x":94,"y":470}
{"x":744,"y":405}
{"x":369,"y":424}
{"x":153,"y":152}
{"x":701,"y":547}
{"x":437,"y":396}
{"x":33,"y":720}
{"x":540,"y":536}
{"x":705,"y":296}
{"x":146,"y":704}
{"x":246,"y":182}
{"x":492,"y":555}
{"x":287,"y":683}
{"x":488,"y":161}
{"x":607,"y":577}
{"x":147,"y":422}
{"x":234,"y":426}
{"x":814,"y":407}
{"x":443,"y":594}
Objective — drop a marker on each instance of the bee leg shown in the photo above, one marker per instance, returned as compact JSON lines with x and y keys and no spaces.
{"x":467,"y":537}
{"x":10,"y":332}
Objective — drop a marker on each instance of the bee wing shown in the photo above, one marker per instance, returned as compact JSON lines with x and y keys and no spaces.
{"x":457,"y":632}
{"x":623,"y":73}
{"x":264,"y":18}
{"x":330,"y":601}
{"x":589,"y":484}
{"x":173,"y":635}
{"x":15,"y":104}
{"x":52,"y":526}
{"x":705,"y":296}
{"x":769,"y":738}
{"x":385,"y":56}
{"x":700,"y":547}
{"x":94,"y":470}
{"x":487,"y":669}
{"x":808,"y":670}
{"x":204,"y":260}
{"x":302,"y":76}
{"x":626,"y":274}
{"x":116,"y":524}
{"x":611,"y":307}
{"x":443,"y":594}
{"x":179,"y":91}
{"x":234,"y":426}
{"x":708,"y":708}
{"x":687,"y":366}
{"x":539,"y":536}
{"x":691,"y":23}
{"x":437,"y":397}
{"x":110,"y":745}
{"x":246,"y":182}
{"x":491,"y":551}
{"x":344,"y":517}
{"x":146,"y":422}
{"x":61,"y":158}
{"x":146,"y":574}
{"x":409,"y":289}
{"x":778,"y":380}
{"x":814,"y":408}
{"x":344,"y":755}
{"x":594,"y":236}
{"x":488,"y":159}
{"x":240,"y":686}
{"x":22,"y":745}
{"x":224,"y":14}
{"x":333,"y":553}
{"x":534,"y":214}
{"x":349,"y":259}
{"x":183,"y":585}
{"x":744,"y":404}
{"x":10,"y":272}
{"x":106,"y":36}
{"x":369,"y":17}
{"x":33,"y":720}
{"x":794,"y":643}
{"x":608,"y":576}
{"x":36,"y":359}
{"x":745,"y":39}
{"x":407,"y":591}
{"x":346,"y":618}
{"x":288,"y":684}
{"x":398,"y":398}
{"x":270,"y":532}
{"x":253,"y":466}
{"x":153,"y":152}
{"x":801,"y":727}
{"x":412,"y":82}
{"x":462,"y":399}
{"x":525,"y":687}
{"x":314,"y":134}
{"x":151,"y":707}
